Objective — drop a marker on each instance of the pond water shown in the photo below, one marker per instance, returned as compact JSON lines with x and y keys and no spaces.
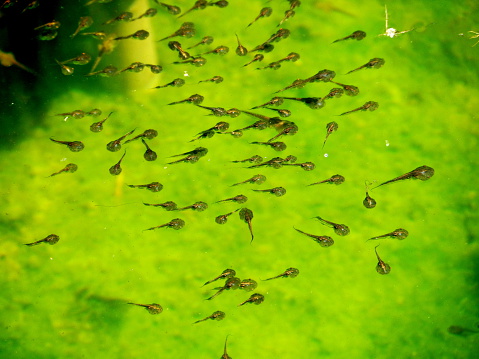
{"x":69,"y":300}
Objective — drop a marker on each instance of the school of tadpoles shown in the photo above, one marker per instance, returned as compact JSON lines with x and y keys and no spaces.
{"x":96,"y":28}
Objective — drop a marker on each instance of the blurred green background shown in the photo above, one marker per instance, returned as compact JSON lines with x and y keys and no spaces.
{"x":69,"y":300}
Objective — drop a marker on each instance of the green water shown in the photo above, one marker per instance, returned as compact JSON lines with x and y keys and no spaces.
{"x":69,"y":300}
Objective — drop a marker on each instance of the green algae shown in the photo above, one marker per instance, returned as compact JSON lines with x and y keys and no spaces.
{"x":66,"y":300}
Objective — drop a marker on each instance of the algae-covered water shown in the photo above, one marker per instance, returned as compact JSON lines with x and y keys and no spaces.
{"x":69,"y":300}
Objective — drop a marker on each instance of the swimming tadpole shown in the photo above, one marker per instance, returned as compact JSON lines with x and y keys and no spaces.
{"x":356,"y":35}
{"x":176,"y":224}
{"x":50,"y":239}
{"x":227,"y":273}
{"x":246,"y":215}
{"x":368,"y":106}
{"x":116,"y":169}
{"x":151,"y":308}
{"x":255,"y":298}
{"x":258,"y":179}
{"x":223,"y":218}
{"x":74,"y":146}
{"x":323,"y":241}
{"x":69,"y":168}
{"x":339,"y":229}
{"x":231,"y":283}
{"x":217,"y":315}
{"x":277,"y":191}
{"x":382,"y":267}
{"x":153,"y":186}
{"x":422,"y":173}
{"x":336,"y":179}
{"x":288,"y":273}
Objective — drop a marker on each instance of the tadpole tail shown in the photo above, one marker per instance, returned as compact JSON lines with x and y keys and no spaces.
{"x":216,"y":294}
{"x":390,"y":181}
{"x":34,"y":243}
{"x":208,"y":282}
{"x":359,"y":68}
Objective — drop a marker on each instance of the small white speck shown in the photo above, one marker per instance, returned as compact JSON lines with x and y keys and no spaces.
{"x":66,"y":118}
{"x":186,"y":73}
{"x":387,"y":143}
{"x":51,"y":258}
{"x":326,"y":155}
{"x":391,"y":32}
{"x":63,"y":159}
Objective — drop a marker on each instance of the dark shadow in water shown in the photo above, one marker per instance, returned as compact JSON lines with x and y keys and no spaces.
{"x":472,"y":279}
{"x":24,"y":96}
{"x":15,"y":348}
{"x":104,"y":313}
{"x":17,"y":86}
